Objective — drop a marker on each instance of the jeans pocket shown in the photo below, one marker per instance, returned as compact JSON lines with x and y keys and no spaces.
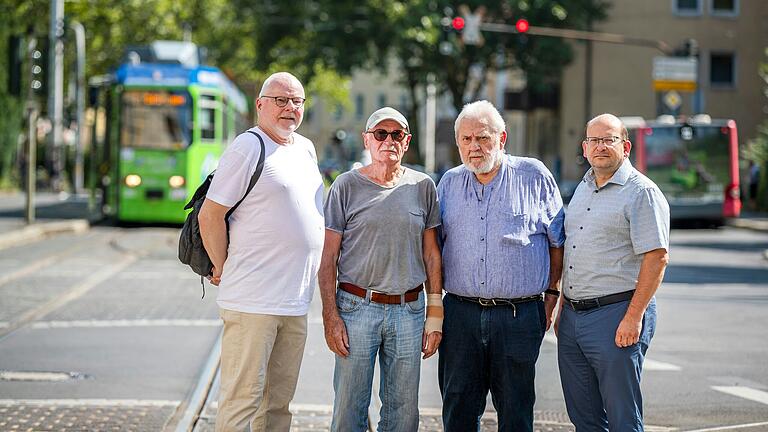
{"x":417,"y":306}
{"x":347,"y":303}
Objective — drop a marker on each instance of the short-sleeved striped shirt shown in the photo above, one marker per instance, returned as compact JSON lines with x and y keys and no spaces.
{"x":608,"y":229}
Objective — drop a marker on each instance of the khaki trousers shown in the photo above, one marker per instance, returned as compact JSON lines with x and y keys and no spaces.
{"x":260,"y":360}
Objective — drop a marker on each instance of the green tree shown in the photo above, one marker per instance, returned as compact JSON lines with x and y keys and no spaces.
{"x":757,"y":148}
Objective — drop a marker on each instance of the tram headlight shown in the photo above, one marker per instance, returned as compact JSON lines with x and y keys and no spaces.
{"x":132,"y":180}
{"x":176,"y":181}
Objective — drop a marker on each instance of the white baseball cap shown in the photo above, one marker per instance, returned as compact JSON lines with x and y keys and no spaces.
{"x":386,"y":113}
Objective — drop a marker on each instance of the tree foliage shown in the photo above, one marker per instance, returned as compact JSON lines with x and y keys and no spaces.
{"x":323,"y":41}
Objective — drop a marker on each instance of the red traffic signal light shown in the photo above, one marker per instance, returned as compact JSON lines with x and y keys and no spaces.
{"x":522,"y":25}
{"x":458,"y":23}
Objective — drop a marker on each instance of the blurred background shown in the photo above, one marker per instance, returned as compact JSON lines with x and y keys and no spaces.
{"x":112,"y":112}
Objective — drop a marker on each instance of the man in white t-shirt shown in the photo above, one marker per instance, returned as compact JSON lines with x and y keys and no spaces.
{"x":267,"y":269}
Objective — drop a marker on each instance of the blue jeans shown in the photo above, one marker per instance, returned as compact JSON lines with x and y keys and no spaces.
{"x":393,"y":332}
{"x":601,"y":382}
{"x":489,"y":348}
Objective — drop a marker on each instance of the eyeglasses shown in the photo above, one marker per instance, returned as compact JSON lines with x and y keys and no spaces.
{"x":381,"y":134}
{"x":282,"y":101}
{"x":606,"y":141}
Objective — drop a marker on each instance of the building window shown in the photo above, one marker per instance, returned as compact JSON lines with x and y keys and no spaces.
{"x":727,"y":8}
{"x":359,"y":106}
{"x":382,"y":100}
{"x":686,"y":7}
{"x":722,"y":70}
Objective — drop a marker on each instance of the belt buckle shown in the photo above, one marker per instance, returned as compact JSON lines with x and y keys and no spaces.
{"x":486,"y":302}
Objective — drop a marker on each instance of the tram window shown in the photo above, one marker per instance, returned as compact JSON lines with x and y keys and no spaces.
{"x":208,"y":106}
{"x":207,"y":123}
{"x":155,"y":119}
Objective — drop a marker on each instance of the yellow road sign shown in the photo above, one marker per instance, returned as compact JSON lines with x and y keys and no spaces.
{"x":666,"y":85}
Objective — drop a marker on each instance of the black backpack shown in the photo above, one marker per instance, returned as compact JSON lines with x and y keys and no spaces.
{"x":191,"y":250}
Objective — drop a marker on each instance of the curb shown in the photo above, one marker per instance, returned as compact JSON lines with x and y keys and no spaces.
{"x":751,"y":224}
{"x":39,"y":231}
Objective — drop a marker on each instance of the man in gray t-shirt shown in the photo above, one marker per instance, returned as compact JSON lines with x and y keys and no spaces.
{"x":381,"y":246}
{"x":382,"y":229}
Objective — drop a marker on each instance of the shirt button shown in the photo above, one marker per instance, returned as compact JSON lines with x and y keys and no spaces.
{"x":596,"y":191}
{"x":482,"y":283}
{"x":482,"y":238}
{"x":570,"y":267}
{"x":574,"y":246}
{"x":482,"y":218}
{"x":482,"y":259}
{"x":581,"y":227}
{"x":588,"y":209}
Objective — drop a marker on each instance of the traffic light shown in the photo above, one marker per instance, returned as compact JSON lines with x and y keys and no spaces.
{"x":457,"y":24}
{"x":522,"y":25}
{"x":14,"y":65}
{"x":39,"y":69}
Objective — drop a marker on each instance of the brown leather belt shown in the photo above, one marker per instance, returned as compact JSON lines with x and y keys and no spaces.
{"x":377,"y":297}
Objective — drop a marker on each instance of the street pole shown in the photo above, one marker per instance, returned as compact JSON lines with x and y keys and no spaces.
{"x":80,"y":46}
{"x":588,"y":78}
{"x":29,"y":207}
{"x":56,"y":90}
{"x":429,"y":125}
{"x":580,"y":35}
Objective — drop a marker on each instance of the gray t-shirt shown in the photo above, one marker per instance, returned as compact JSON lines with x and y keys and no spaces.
{"x":382,"y":229}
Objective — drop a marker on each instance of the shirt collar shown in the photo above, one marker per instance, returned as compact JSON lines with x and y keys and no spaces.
{"x":620,"y":177}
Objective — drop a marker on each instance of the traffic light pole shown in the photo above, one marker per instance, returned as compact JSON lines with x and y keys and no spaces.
{"x":581,"y":35}
{"x":80,"y":90}
{"x":56,"y":90}
{"x":29,"y":208}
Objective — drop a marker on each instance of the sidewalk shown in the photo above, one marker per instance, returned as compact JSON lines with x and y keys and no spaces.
{"x":54,"y":214}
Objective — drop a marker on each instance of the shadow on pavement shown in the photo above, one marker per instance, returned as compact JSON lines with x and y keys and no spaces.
{"x":690,"y":274}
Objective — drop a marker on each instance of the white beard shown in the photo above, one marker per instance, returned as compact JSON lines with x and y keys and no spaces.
{"x":489,"y":163}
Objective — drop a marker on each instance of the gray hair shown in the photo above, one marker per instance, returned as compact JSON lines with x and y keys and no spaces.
{"x":482,"y":111}
{"x":284,"y":77}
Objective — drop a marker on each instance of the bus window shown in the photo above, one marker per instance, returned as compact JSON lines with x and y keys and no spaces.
{"x":155,"y":119}
{"x":688,"y":159}
{"x":208,"y":107}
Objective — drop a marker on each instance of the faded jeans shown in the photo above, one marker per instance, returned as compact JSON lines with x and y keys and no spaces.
{"x":393,"y":332}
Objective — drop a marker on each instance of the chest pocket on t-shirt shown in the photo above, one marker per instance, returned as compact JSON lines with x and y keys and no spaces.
{"x":516,"y":230}
{"x":415,"y":221}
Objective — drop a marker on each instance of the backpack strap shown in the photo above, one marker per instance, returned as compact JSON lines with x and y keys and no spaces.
{"x":256,"y":174}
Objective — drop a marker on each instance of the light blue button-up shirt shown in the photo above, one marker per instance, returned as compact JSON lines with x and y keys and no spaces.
{"x":609,"y":230}
{"x":495,"y":238}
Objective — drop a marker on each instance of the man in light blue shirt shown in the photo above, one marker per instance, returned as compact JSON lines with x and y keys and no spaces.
{"x":502,"y":238}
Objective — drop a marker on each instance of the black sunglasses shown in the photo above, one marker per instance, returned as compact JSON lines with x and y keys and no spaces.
{"x":381,"y":134}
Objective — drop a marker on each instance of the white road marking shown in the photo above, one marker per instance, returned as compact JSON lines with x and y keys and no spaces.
{"x":71,"y":294}
{"x":34,"y":376}
{"x":90,"y":402}
{"x":648,"y":364}
{"x":732,"y":427}
{"x":744,"y":392}
{"x":127,"y":323}
{"x":654,"y":365}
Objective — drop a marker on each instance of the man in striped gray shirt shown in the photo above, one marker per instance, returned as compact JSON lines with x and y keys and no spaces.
{"x":617,"y":238}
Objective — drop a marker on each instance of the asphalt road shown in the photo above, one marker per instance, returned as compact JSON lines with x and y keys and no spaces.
{"x":116,"y":334}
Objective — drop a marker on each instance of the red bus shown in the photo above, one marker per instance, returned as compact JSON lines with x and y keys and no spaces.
{"x":694,"y":161}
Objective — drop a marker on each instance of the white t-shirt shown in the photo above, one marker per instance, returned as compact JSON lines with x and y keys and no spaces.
{"x":276,"y":234}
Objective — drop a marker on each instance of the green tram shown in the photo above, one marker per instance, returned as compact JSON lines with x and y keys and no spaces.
{"x":163,"y":128}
